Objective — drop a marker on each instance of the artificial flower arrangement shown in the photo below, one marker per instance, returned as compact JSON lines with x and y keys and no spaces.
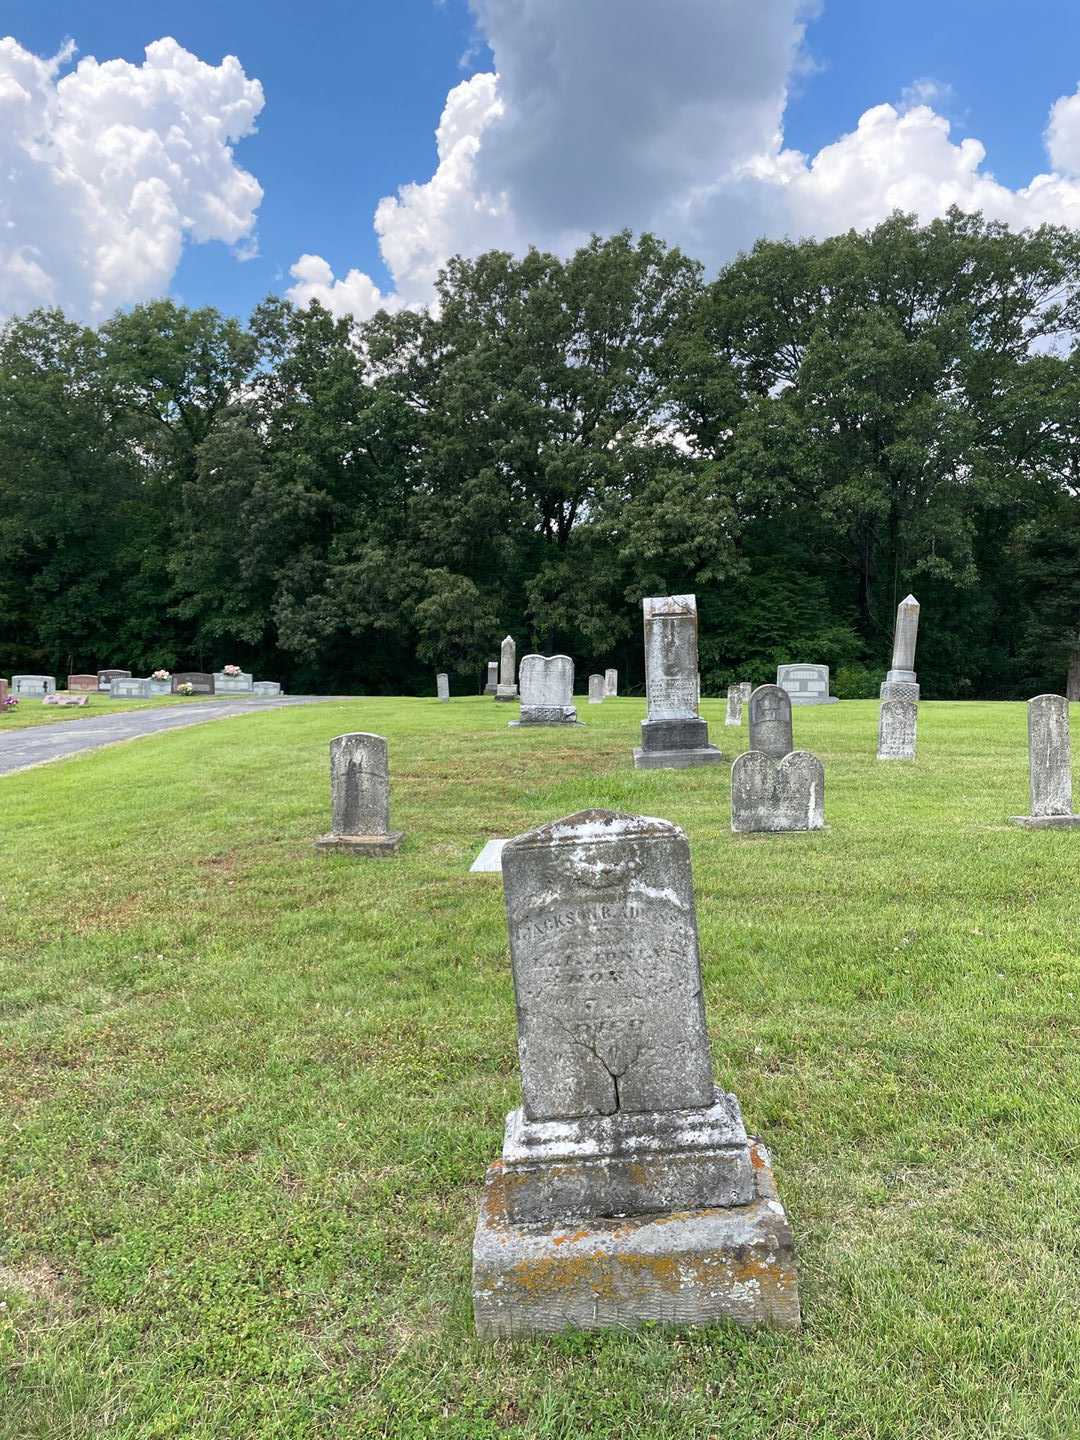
{"x":185,"y":689}
{"x":161,"y":675}
{"x":231,"y":670}
{"x":11,"y":702}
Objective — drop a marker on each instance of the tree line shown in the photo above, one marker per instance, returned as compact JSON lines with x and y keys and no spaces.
{"x":348,"y":507}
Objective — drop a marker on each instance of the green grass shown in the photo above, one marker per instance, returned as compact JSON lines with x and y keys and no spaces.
{"x":249,"y":1091}
{"x":32,"y":711}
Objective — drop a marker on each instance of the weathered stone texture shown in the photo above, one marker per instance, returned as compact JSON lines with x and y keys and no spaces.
{"x":673,"y":736}
{"x":901,"y":682}
{"x":805,"y":684}
{"x":596,"y":689}
{"x":507,"y":688}
{"x":773,"y":796}
{"x":1050,"y":761}
{"x":492,"y":677}
{"x":547,"y":690}
{"x":442,"y":685}
{"x":897,"y":730}
{"x":611,"y":683}
{"x":733,"y":716}
{"x":360,"y":797}
{"x":770,"y":721}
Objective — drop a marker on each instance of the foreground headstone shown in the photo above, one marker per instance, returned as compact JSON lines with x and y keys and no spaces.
{"x":673,"y":736}
{"x":547,"y":691}
{"x":33,"y":684}
{"x":900,"y":683}
{"x":492,"y":685}
{"x":1050,"y":758}
{"x":770,"y":722}
{"x":200,"y":681}
{"x":106,"y":677}
{"x":806,"y":684}
{"x":266,"y":689}
{"x":127,"y":687}
{"x":507,"y":688}
{"x":238,"y":684}
{"x":772,"y":796}
{"x":628,"y":1190}
{"x":733,"y":715}
{"x":442,"y":685}
{"x":360,"y":797}
{"x":897,"y":729}
{"x":81,"y":684}
{"x":596,"y":689}
{"x":611,"y":684}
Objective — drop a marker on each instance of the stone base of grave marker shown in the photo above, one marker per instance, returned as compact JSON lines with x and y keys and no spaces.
{"x":675,"y":745}
{"x":388,"y":844}
{"x":690,"y":1267}
{"x":546,"y":715}
{"x":506,"y":692}
{"x":1046,"y":822}
{"x":899,"y":685}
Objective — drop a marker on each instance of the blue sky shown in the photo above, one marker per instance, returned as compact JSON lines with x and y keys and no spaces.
{"x":354,"y":90}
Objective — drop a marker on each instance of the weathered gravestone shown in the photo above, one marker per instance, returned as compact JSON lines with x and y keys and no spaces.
{"x":33,"y":684}
{"x":360,"y":797}
{"x":596,"y":689}
{"x":547,"y":691}
{"x":806,"y":684}
{"x":628,"y":1189}
{"x":733,"y":715}
{"x":492,"y":685}
{"x":506,"y":688}
{"x":201,"y":683}
{"x":777,"y":795}
{"x":80,"y":684}
{"x":239,"y":684}
{"x":900,"y":683}
{"x":266,"y":689}
{"x":673,"y":736}
{"x":897,"y":729}
{"x":770,"y":721}
{"x":1050,"y":759}
{"x":106,"y":677}
{"x":747,"y":690}
{"x":127,"y":687}
{"x":442,"y":685}
{"x":611,"y":683}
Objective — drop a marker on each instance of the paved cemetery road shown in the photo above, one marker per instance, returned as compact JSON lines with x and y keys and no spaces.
{"x":20,"y":749}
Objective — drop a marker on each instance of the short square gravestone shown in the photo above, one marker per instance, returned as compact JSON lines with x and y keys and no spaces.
{"x":507,"y":688}
{"x":489,"y":861}
{"x":733,"y":714}
{"x":360,"y":797}
{"x":806,"y":684}
{"x":162,"y":685}
{"x":547,"y":691}
{"x":200,"y":681}
{"x":127,"y":687}
{"x":773,"y":796}
{"x":106,"y":677}
{"x":33,"y":685}
{"x":673,"y":735}
{"x":596,"y":689}
{"x":442,"y":686}
{"x":897,"y":727}
{"x":747,"y":690}
{"x":901,"y":682}
{"x":240,"y":684}
{"x":628,"y":1190}
{"x":1050,"y":760}
{"x":492,"y":686}
{"x":770,"y":722}
{"x":611,"y":684}
{"x":266,"y":689}
{"x":81,"y":684}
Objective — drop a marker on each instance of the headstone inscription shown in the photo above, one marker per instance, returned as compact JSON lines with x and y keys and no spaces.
{"x":127,"y":687}
{"x":239,"y":684}
{"x":596,"y":689}
{"x":33,"y":684}
{"x":900,"y":683}
{"x":673,"y":735}
{"x":106,"y":677}
{"x":897,"y":729}
{"x":733,"y":715}
{"x":442,"y":685}
{"x":507,"y":688}
{"x":772,"y":796}
{"x":770,"y":721}
{"x":611,"y":683}
{"x":360,"y":797}
{"x":80,"y":684}
{"x":628,"y":1189}
{"x":266,"y":689}
{"x":806,"y":684}
{"x":492,"y":685}
{"x":1050,"y":759}
{"x":200,"y":681}
{"x":547,"y":691}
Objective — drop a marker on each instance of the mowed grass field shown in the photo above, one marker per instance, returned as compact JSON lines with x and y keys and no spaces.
{"x":249,"y":1092}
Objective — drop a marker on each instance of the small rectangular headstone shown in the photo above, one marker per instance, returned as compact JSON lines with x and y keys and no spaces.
{"x":33,"y":684}
{"x":492,"y":686}
{"x":547,"y":690}
{"x":897,"y":727}
{"x":805,"y":684}
{"x":733,"y":715}
{"x":773,"y":796}
{"x":127,"y":687}
{"x":596,"y":689}
{"x":80,"y":684}
{"x":201,"y":682}
{"x":232,"y":684}
{"x":770,"y":721}
{"x":1050,"y":760}
{"x":442,"y":685}
{"x":611,"y":683}
{"x":266,"y":689}
{"x":507,"y":688}
{"x":106,"y":677}
{"x":360,"y":797}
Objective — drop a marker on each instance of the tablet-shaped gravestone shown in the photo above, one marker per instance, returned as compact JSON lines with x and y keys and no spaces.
{"x":33,"y":685}
{"x":805,"y":684}
{"x":1050,"y":759}
{"x":772,"y":796}
{"x":106,"y":677}
{"x":492,"y":686}
{"x":266,"y":689}
{"x":442,"y":686}
{"x":507,"y":688}
{"x":596,"y":689}
{"x":770,"y":721}
{"x":547,"y":691}
{"x":201,"y":681}
{"x":239,"y":684}
{"x":673,"y":735}
{"x":733,"y":715}
{"x":611,"y":684}
{"x":82,"y":684}
{"x":360,"y":797}
{"x":626,"y":1177}
{"x":128,"y":687}
{"x":897,"y":730}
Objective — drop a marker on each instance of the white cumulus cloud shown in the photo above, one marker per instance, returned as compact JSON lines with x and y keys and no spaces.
{"x":107,"y":169}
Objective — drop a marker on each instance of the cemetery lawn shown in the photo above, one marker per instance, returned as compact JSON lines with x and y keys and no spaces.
{"x":249,"y":1092}
{"x":30,"y":710}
